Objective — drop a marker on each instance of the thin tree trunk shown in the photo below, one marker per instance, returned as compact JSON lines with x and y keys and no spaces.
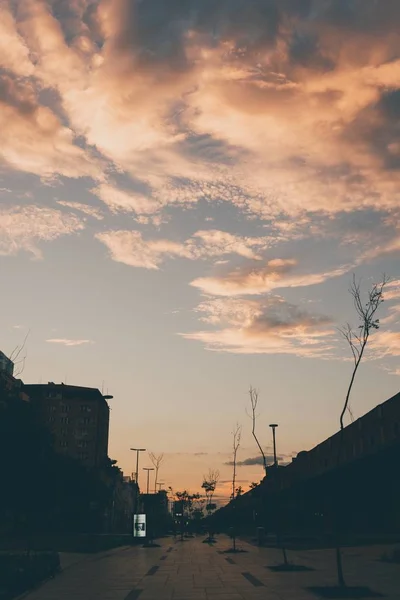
{"x":357,"y":364}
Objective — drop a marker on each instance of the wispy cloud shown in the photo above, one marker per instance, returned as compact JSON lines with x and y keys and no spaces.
{"x":269,"y":326}
{"x":24,"y":227}
{"x":130,"y":248}
{"x":306,"y":119}
{"x":254,"y":279}
{"x":69,"y":342}
{"x":91,"y":211}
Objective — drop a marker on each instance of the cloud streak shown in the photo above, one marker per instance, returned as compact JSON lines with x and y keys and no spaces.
{"x":269,"y":326}
{"x":255,"y":280}
{"x":69,"y":342}
{"x":24,"y":227}
{"x":130,"y":248}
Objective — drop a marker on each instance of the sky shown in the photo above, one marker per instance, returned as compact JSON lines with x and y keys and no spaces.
{"x":186,"y":189}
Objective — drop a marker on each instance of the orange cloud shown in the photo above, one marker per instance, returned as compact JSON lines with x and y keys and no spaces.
{"x":68,"y":342}
{"x":24,"y":227}
{"x":255,"y":280}
{"x":270,"y":326}
{"x":130,"y":248}
{"x":272,"y":107}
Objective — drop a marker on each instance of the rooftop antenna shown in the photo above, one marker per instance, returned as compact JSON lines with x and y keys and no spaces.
{"x":102,"y":387}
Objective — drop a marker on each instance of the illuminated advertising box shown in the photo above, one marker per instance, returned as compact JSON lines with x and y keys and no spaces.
{"x":139,"y":525}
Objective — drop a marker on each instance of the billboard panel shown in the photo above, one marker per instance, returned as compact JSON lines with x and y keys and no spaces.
{"x":139,"y":525}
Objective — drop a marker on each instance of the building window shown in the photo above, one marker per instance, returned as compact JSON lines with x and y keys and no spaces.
{"x":64,"y":444}
{"x":83,"y":444}
{"x":82,"y":432}
{"x":83,"y":455}
{"x":65,"y":408}
{"x":86,"y":421}
{"x":52,"y":408}
{"x":85,"y":408}
{"x":51,"y":419}
{"x":64,"y":432}
{"x":53,"y":394}
{"x":64,"y":420}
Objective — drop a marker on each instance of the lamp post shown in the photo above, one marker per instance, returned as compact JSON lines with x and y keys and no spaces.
{"x":273,"y":427}
{"x":160,"y":483}
{"x":137,"y":450}
{"x":148,"y":469}
{"x":136,"y":505}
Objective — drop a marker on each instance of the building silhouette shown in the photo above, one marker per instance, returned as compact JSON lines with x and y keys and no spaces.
{"x":352,"y":478}
{"x":78,"y":418}
{"x":10,"y":385}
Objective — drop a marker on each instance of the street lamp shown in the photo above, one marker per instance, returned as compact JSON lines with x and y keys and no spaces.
{"x":137,"y":450}
{"x":160,"y":483}
{"x":148,"y":469}
{"x":273,"y":427}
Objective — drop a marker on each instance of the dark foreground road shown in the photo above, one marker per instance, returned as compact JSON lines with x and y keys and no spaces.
{"x":192,"y":570}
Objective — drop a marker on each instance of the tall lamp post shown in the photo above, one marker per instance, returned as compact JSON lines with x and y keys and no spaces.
{"x":137,"y":450}
{"x":160,"y":483}
{"x":273,"y":427}
{"x":148,"y":469}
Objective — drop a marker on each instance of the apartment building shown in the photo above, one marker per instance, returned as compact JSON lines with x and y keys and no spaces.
{"x":78,"y":418}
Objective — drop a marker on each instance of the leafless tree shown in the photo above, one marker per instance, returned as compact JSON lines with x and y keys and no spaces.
{"x":237,"y":434}
{"x":253,"y":393}
{"x":358,"y":338}
{"x":156,"y":461}
{"x":209,"y":485}
{"x":18,"y":356}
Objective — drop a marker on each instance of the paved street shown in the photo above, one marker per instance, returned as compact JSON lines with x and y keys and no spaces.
{"x":191,"y":570}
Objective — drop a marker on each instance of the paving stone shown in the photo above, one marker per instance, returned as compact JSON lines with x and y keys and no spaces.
{"x":196,"y":571}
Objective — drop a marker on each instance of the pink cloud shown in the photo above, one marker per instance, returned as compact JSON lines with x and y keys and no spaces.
{"x":24,"y":227}
{"x":69,"y":342}
{"x":129,"y":247}
{"x":255,"y":280}
{"x":269,"y":326}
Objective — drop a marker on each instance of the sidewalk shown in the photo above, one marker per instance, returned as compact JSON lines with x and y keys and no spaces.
{"x":191,"y":570}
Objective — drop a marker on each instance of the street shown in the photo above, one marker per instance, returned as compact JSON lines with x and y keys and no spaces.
{"x":191,"y":570}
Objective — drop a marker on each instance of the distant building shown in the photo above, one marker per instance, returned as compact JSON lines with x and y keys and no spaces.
{"x":351,"y":476}
{"x":155,"y":507}
{"x":78,"y":418}
{"x":9,"y":385}
{"x":376,"y":431}
{"x":6,"y":364}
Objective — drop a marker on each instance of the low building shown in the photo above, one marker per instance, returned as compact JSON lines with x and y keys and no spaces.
{"x":78,"y":418}
{"x":156,"y":508}
{"x":351,"y":478}
{"x":9,"y":385}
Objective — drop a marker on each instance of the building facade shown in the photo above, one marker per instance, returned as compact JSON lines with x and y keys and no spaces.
{"x":78,"y":418}
{"x":9,"y":385}
{"x":351,"y":478}
{"x":6,"y":364}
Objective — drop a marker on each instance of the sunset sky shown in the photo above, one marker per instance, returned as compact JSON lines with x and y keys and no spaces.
{"x":186,"y":187}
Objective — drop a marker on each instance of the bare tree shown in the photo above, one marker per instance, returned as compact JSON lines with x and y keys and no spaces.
{"x":18,"y":358}
{"x":237,"y":434}
{"x":209,"y":485}
{"x":156,"y":461}
{"x":358,"y":338}
{"x":253,"y":393}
